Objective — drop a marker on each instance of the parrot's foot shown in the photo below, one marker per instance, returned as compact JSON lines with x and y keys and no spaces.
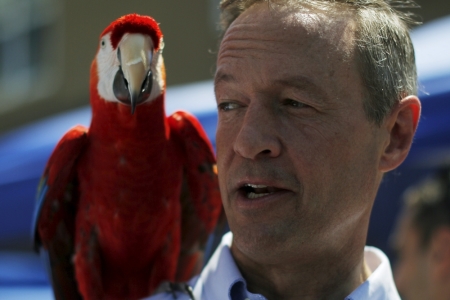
{"x":174,"y":287}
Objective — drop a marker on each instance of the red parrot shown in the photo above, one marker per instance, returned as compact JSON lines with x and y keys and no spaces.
{"x":128,"y":202}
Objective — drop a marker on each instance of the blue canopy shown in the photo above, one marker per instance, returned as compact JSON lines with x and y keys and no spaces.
{"x":24,"y":153}
{"x":432,"y":44}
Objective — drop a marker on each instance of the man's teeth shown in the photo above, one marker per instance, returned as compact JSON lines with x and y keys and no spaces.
{"x":256,"y":186}
{"x":252,"y":195}
{"x":254,"y":191}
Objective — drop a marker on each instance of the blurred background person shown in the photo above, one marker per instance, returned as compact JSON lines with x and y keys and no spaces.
{"x":422,"y":240}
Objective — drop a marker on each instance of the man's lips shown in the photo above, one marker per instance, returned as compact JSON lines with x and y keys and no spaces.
{"x":251,"y":195}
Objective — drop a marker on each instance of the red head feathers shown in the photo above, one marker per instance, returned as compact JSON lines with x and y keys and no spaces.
{"x":134,"y":23}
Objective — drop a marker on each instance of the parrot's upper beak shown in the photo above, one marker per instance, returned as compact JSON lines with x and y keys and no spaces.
{"x":133,"y":81}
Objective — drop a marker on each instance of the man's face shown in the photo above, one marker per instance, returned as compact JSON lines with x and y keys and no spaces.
{"x":412,"y":269}
{"x":297,"y":157}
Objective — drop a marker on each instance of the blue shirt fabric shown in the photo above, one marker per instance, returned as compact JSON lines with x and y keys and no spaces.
{"x":222,"y":280}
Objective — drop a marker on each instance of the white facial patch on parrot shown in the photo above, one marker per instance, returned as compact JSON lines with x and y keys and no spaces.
{"x":108,"y":64}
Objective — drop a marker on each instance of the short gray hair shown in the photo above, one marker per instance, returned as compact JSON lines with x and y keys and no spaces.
{"x":385,"y":52}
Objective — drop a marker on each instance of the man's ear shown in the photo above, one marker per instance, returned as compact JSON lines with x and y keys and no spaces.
{"x":401,"y":125}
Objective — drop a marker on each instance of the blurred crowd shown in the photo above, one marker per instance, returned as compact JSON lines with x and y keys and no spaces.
{"x":422,"y":240}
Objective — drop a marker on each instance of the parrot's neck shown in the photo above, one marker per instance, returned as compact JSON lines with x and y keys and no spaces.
{"x":113,"y":120}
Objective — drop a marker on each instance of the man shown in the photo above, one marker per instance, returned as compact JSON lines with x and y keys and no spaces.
{"x":422,"y":240}
{"x":316,"y":102}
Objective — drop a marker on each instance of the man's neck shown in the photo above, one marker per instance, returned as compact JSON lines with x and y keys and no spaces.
{"x":318,"y":279}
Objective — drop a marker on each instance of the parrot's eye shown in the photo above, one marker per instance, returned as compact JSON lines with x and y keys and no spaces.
{"x":103,"y":43}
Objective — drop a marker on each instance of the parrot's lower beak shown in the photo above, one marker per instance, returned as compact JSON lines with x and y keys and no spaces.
{"x":134,"y":79}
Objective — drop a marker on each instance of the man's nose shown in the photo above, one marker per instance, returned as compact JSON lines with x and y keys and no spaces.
{"x":258,"y":135}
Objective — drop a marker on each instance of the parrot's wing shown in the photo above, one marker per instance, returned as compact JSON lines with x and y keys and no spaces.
{"x":54,"y":216}
{"x":200,"y":199}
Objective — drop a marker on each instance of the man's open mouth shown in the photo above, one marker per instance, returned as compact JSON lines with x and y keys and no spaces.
{"x":253,"y":191}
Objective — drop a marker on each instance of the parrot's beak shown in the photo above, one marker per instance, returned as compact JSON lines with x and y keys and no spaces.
{"x":133,"y":81}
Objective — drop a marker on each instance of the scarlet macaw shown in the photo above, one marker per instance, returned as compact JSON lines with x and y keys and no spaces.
{"x":128,"y":202}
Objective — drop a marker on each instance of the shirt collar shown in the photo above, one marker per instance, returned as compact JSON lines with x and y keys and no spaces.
{"x":222,"y":280}
{"x":380,"y":284}
{"x":220,"y":275}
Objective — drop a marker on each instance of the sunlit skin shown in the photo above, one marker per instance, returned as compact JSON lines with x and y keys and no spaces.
{"x":291,"y":118}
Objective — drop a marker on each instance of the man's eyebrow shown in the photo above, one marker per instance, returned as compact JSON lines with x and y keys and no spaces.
{"x":223,"y":77}
{"x":299,"y":82}
{"x":304,"y":84}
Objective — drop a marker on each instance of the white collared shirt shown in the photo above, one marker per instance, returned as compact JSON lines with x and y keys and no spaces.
{"x":221,"y":279}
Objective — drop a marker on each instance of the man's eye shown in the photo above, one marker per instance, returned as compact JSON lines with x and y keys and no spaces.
{"x":294,"y":103}
{"x":226,"y":106}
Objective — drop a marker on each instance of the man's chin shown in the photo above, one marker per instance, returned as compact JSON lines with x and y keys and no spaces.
{"x":262,"y":242}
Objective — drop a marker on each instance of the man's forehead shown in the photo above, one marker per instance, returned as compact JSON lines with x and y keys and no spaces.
{"x":334,"y":24}
{"x":308,"y":16}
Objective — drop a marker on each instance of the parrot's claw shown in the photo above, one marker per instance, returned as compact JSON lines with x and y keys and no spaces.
{"x":174,"y":287}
